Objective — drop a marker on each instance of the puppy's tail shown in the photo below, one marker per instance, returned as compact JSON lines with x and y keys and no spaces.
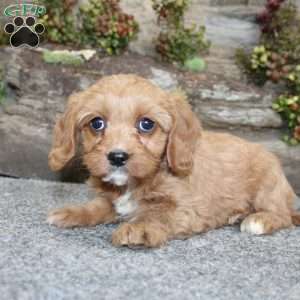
{"x":296,"y":217}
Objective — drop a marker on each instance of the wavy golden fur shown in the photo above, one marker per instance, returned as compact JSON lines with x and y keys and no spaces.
{"x":179,"y":180}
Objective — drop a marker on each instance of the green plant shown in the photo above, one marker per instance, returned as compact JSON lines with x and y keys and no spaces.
{"x":105,"y":25}
{"x":289,"y":107}
{"x":176,"y":42}
{"x":60,"y":22}
{"x":263,"y":64}
{"x":181,"y":44}
{"x":293,"y":80}
{"x":254,"y":64}
{"x":171,"y":11}
{"x":98,"y":23}
{"x":282,"y":33}
{"x":259,"y":57}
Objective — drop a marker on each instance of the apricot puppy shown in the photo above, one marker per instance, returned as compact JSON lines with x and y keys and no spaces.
{"x":158,"y":172}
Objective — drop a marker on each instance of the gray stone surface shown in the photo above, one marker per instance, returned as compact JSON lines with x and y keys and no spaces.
{"x":38,"y":261}
{"x":163,"y":79}
{"x":238,"y":116}
{"x":222,"y":105}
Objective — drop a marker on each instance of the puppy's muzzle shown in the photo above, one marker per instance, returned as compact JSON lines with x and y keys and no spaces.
{"x":117,"y":158}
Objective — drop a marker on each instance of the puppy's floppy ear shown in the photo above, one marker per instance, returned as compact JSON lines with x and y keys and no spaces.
{"x":183,"y":137}
{"x":64,"y":137}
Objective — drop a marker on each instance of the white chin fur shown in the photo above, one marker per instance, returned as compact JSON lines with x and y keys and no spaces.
{"x":117,"y":176}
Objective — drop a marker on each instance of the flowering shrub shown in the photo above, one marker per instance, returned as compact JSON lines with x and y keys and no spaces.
{"x":99,"y":23}
{"x":280,"y":26}
{"x":105,"y":25}
{"x":171,"y":11}
{"x":177,"y":43}
{"x":289,"y":107}
{"x":181,"y":44}
{"x":293,"y":80}
{"x":60,"y":22}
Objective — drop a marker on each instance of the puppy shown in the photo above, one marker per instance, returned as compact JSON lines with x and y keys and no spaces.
{"x":158,"y":172}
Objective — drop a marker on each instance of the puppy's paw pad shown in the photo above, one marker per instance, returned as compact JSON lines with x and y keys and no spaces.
{"x":253,"y":226}
{"x":64,"y":218}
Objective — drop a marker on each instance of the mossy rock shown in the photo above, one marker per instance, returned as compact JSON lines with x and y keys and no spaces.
{"x":62,"y":57}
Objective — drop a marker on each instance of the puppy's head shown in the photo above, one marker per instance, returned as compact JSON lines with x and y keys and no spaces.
{"x":127,"y":127}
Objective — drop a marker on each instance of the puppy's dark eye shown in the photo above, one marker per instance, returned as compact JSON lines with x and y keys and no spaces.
{"x":98,"y":124}
{"x":145,"y":125}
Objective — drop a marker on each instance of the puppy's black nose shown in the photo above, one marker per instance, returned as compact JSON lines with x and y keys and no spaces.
{"x":117,"y":158}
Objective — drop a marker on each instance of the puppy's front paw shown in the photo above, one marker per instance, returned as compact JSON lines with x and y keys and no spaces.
{"x":68,"y":217}
{"x":139,"y":234}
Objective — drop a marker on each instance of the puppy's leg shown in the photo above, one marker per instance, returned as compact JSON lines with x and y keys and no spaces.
{"x":272,"y":205}
{"x":92,"y":213}
{"x":149,"y":228}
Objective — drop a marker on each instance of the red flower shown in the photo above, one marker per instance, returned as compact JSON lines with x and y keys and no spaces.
{"x":264,"y":16}
{"x":273,"y":5}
